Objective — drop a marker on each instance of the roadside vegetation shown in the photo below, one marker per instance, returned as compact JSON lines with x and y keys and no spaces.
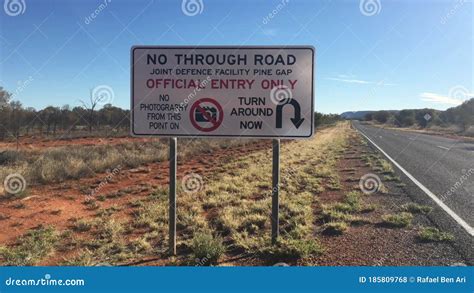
{"x":458,"y":119}
{"x":73,"y":162}
{"x":227,"y":220}
{"x":415,"y":208}
{"x":227,"y":217}
{"x":400,"y":220}
{"x":30,"y":248}
{"x":432,"y":234}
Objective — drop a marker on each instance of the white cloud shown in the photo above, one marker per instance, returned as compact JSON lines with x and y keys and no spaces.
{"x":349,"y":80}
{"x":439,"y":99}
{"x":359,"y":81}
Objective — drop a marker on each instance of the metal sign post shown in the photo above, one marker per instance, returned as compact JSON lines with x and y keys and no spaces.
{"x":172,"y":196}
{"x":275,"y":189}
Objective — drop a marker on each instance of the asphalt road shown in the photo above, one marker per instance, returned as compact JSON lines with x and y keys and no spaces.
{"x":443,"y":165}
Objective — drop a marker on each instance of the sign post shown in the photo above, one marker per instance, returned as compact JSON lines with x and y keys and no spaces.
{"x":236,"y":92}
{"x":275,"y":190}
{"x":172,"y":195}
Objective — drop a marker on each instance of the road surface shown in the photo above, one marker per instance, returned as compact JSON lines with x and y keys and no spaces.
{"x":445,"y":166}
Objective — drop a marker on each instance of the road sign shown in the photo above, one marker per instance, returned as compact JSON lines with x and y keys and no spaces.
{"x":264,"y":92}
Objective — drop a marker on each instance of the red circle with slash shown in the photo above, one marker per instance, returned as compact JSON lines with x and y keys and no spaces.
{"x":197,"y":108}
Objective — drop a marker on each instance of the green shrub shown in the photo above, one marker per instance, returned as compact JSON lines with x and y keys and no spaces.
{"x":333,"y":215}
{"x":31,"y":248}
{"x":82,"y":226}
{"x":432,"y":234}
{"x":334,"y":228}
{"x":416,"y":208}
{"x":397,"y":220}
{"x":293,"y":249}
{"x":206,"y":248}
{"x":353,"y":200}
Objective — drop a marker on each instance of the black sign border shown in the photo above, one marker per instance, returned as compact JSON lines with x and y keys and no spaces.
{"x":132,"y":126}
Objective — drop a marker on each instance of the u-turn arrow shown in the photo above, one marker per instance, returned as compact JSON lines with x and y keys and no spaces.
{"x":296,"y":120}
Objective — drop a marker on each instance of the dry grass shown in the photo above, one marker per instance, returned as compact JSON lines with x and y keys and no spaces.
{"x":432,"y":234}
{"x":416,"y":208}
{"x":30,"y":248}
{"x":230,"y":215}
{"x":400,"y":220}
{"x":334,"y":228}
{"x":207,"y":249}
{"x":237,"y":204}
{"x":74,"y":162}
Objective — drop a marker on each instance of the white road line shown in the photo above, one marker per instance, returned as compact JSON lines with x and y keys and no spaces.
{"x":440,"y":203}
{"x":442,"y":147}
{"x":411,"y":138}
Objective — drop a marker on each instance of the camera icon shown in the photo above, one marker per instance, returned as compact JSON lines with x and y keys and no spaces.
{"x":201,"y":117}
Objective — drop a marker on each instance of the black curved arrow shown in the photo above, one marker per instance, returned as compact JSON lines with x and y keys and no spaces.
{"x":297,"y":120}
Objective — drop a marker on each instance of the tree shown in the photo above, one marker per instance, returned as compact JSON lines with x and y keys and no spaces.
{"x":4,"y":112}
{"x":113,"y":116}
{"x":405,"y":118}
{"x":30,"y":118}
{"x":325,"y":119}
{"x":466,"y":114}
{"x":16,"y":120}
{"x":424,"y":117}
{"x":381,"y":116}
{"x":51,"y":116}
{"x":4,"y":97}
{"x":369,"y":117}
{"x":94,"y":101}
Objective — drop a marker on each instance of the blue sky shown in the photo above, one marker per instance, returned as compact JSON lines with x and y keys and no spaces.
{"x":408,"y":54}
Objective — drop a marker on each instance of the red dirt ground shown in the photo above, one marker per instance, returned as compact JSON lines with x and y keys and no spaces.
{"x":60,"y":204}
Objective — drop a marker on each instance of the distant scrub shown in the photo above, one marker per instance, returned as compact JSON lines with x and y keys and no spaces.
{"x":321,"y":119}
{"x":461,"y":117}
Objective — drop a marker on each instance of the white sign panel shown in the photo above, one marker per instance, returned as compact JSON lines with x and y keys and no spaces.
{"x":222,"y":91}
